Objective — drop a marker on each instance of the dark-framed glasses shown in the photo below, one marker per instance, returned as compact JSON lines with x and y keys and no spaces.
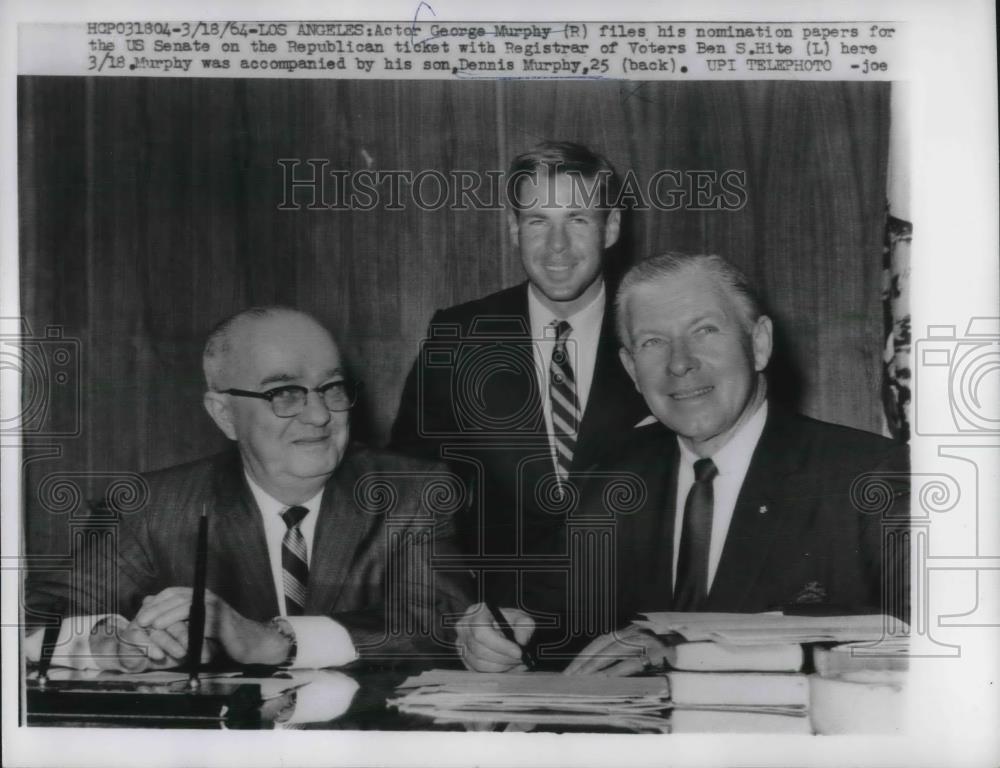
{"x":290,"y":400}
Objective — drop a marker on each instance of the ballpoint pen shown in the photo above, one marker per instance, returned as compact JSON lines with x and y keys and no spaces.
{"x":526,"y":655}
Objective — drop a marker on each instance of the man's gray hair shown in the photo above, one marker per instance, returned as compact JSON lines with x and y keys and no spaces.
{"x":656,"y":268}
{"x":220,"y":341}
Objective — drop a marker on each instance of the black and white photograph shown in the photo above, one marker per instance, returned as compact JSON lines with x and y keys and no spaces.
{"x":549,"y":387}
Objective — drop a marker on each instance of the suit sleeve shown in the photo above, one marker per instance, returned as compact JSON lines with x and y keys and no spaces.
{"x":426,"y":587}
{"x":109,"y":573}
{"x":114,"y":567}
{"x":108,"y":569}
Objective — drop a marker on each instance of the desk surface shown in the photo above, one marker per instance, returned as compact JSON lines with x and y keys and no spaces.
{"x":355,"y":698}
{"x":361,"y":693}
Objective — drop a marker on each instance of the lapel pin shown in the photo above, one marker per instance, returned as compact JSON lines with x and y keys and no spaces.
{"x":763,"y":509}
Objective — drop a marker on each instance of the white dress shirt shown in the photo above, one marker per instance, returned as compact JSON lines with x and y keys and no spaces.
{"x":581,"y":349}
{"x":321,"y":641}
{"x":732,"y":460}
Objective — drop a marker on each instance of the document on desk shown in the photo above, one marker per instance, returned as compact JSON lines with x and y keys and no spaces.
{"x":547,"y":684}
{"x":739,"y":690}
{"x":730,"y":721}
{"x":704,"y":656}
{"x":863,"y":660}
{"x":771,"y":628}
{"x":550,"y":698}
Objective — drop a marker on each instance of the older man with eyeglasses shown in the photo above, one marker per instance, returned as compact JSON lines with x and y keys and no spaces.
{"x":319,"y":550}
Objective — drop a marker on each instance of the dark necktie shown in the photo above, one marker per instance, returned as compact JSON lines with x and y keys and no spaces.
{"x":294,"y":561}
{"x":562,"y":396}
{"x":696,"y":534}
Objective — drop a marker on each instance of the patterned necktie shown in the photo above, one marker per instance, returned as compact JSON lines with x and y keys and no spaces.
{"x":696,"y":534}
{"x":294,"y":561}
{"x":562,"y":396}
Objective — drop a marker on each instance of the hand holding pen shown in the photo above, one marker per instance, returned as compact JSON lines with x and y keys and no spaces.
{"x":491,"y":639}
{"x":527,"y":656}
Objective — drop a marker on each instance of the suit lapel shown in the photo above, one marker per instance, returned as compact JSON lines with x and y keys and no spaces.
{"x":513,"y":398}
{"x":645,"y":551}
{"x":761,"y":517}
{"x":612,"y":397}
{"x":243,"y":569}
{"x":340,"y":530}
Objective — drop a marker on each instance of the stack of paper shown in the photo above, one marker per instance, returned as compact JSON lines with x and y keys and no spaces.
{"x":720,"y":657}
{"x":863,"y":661}
{"x":771,"y":628}
{"x":850,"y":679}
{"x":773,"y":691}
{"x":737,"y":721}
{"x":739,"y":702}
{"x":540,"y":698}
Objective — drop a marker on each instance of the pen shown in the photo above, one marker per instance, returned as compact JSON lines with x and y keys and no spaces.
{"x":49,"y":638}
{"x":526,"y":655}
{"x":196,"y":618}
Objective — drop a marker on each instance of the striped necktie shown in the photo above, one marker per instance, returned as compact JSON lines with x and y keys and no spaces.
{"x":696,"y":535}
{"x":294,"y":561}
{"x":562,"y":396}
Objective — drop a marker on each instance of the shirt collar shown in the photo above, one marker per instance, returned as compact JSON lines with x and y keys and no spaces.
{"x":586,"y":321}
{"x":735,"y":455}
{"x":268,"y":505}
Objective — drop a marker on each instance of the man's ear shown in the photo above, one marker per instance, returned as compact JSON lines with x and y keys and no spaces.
{"x":219,"y":409}
{"x":612,"y":227}
{"x":626,"y":357}
{"x":763,"y":342}
{"x":512,"y":228}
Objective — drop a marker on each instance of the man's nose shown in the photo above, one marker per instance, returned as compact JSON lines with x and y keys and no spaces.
{"x":557,"y":238}
{"x":681,"y":361}
{"x":315,"y":410}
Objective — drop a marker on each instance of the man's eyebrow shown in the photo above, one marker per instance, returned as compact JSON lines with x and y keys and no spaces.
{"x":277,"y":378}
{"x":701,"y":318}
{"x":712,"y":316}
{"x":643,"y":330}
{"x":284,"y":378}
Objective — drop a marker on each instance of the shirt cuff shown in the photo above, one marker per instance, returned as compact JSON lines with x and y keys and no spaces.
{"x":73,"y":643}
{"x":325,"y":698}
{"x":321,"y":642}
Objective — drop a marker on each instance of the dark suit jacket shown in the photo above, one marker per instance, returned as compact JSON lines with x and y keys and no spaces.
{"x":819,"y":523}
{"x":375,"y":564}
{"x":472,"y":399}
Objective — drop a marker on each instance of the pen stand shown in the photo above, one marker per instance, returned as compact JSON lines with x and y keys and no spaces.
{"x":118,"y":704}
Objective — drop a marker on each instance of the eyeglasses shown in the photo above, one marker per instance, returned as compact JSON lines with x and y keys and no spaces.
{"x":290,"y":400}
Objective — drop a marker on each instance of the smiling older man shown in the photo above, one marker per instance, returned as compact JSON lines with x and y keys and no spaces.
{"x":744,"y":507}
{"x":319,"y":549}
